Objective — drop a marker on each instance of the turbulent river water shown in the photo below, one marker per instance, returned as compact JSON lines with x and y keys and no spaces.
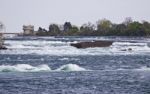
{"x":49,"y":65}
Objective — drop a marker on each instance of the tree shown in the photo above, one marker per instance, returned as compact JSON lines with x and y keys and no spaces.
{"x":104,"y":26}
{"x":87,"y":29}
{"x":135,"y":29}
{"x":41,"y":31}
{"x":54,"y":29}
{"x":67,"y":26}
{"x":118,"y":30}
{"x":146,"y":26}
{"x":73,"y":31}
{"x":127,"y":21}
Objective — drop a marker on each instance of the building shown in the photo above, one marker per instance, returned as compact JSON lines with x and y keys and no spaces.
{"x":28,"y":30}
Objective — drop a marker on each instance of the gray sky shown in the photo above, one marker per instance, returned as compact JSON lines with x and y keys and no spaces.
{"x":15,"y":13}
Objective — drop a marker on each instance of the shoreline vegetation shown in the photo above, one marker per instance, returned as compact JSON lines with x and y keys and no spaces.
{"x":103,"y":27}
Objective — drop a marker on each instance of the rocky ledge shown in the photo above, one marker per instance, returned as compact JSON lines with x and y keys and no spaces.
{"x":92,"y":44}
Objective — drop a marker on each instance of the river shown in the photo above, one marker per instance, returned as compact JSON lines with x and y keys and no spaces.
{"x":49,"y":65}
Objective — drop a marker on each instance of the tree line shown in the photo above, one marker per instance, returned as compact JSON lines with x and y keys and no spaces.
{"x":103,"y":27}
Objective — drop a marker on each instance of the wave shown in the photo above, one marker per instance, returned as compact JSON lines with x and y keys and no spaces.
{"x":24,"y":68}
{"x":144,"y":68}
{"x":70,"y":67}
{"x":39,"y":68}
{"x":129,"y":44}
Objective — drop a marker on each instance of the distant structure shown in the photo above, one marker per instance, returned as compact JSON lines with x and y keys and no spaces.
{"x":1,"y":34}
{"x":2,"y":29}
{"x":28,"y":30}
{"x":1,"y":40}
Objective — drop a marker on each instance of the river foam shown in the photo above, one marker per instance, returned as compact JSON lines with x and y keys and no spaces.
{"x":39,"y":68}
{"x":61,"y":46}
{"x":70,"y":67}
{"x":143,"y":68}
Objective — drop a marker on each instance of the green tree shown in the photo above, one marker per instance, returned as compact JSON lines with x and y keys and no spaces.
{"x":135,"y":29}
{"x":118,"y":30}
{"x":54,"y":29}
{"x":146,"y":26}
{"x":104,"y":26}
{"x":67,"y":26}
{"x":73,"y":31}
{"x":87,"y":29}
{"x":41,"y":32}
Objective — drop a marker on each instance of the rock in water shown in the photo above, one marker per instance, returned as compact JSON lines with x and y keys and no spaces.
{"x":3,"y":48}
{"x":92,"y":44}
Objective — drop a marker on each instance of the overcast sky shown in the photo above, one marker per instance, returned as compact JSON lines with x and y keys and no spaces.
{"x":15,"y":13}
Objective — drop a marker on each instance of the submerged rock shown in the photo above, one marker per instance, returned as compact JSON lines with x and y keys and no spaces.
{"x":129,"y":49}
{"x":3,"y":48}
{"x":92,"y":44}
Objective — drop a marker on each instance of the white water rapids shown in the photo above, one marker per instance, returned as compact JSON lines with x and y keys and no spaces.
{"x":43,"y":47}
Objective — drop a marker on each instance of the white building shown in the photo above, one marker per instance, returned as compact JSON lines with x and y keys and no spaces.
{"x":28,"y":30}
